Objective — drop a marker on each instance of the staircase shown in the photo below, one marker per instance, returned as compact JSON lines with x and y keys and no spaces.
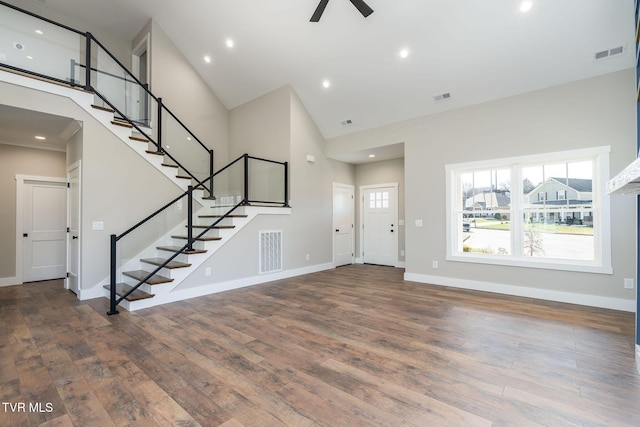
{"x":149,"y":278}
{"x":147,"y":270}
{"x":171,"y":274}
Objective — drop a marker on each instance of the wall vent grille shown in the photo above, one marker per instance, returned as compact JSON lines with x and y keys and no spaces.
{"x":442,"y":97}
{"x":270,"y":256}
{"x":608,"y":53}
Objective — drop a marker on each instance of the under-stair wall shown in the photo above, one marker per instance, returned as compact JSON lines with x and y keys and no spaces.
{"x":119,"y":187}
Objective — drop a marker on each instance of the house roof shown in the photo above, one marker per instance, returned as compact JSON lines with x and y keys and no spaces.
{"x":578,"y":184}
{"x":475,"y":51}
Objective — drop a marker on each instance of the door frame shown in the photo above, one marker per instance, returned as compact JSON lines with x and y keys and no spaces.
{"x":361,"y":190}
{"x":20,"y":181}
{"x":75,"y":165}
{"x":144,"y":46}
{"x":353,"y":221}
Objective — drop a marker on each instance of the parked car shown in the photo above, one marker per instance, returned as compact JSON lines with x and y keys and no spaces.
{"x":466,"y":226}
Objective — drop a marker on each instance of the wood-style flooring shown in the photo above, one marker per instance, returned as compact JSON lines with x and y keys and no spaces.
{"x":354,"y":346}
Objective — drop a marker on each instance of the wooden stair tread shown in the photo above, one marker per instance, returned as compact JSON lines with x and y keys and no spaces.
{"x":121,"y":123}
{"x":183,"y":177}
{"x":156,"y":279}
{"x":160,"y":261}
{"x":220,"y":216}
{"x":107,"y":109}
{"x":179,"y":249}
{"x":158,"y":153}
{"x":215,"y":227}
{"x":123,"y":288}
{"x":169,"y":166}
{"x":138,"y":138}
{"x":201,"y":239}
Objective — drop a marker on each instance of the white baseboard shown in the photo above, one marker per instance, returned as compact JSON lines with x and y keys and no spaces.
{"x":95,"y":292}
{"x":9,"y":281}
{"x":638,"y":357}
{"x":544,"y":294}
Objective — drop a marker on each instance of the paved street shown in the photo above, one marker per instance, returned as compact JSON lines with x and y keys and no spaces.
{"x":568,"y":246}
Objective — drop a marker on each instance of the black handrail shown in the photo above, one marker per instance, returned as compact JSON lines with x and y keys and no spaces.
{"x":41,"y":18}
{"x":150,"y":94}
{"x":90,"y":38}
{"x":190,"y":239}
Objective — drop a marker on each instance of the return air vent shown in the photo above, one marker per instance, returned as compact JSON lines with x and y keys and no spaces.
{"x":608,"y":53}
{"x":442,"y":97}
{"x":270,"y":251}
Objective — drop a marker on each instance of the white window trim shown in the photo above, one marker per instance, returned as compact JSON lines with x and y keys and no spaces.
{"x":602,"y":227}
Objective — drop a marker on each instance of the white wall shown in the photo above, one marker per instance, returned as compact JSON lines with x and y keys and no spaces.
{"x":185,"y":93}
{"x":277,"y":126}
{"x":589,"y":113}
{"x":110,"y":193}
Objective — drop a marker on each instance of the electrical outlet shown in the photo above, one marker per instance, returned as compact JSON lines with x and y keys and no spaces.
{"x":207,"y":271}
{"x":434,"y":264}
{"x":402,"y":252}
{"x":307,"y":257}
{"x":628,"y":283}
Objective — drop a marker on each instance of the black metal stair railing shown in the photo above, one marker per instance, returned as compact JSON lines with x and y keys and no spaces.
{"x":78,"y":59}
{"x":246,"y":180}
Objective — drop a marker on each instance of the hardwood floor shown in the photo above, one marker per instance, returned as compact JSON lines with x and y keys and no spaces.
{"x":347,"y":347}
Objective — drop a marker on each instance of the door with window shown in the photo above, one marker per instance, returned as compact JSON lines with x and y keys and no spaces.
{"x":380,"y":224}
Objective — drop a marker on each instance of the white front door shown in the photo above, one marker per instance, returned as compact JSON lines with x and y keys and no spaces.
{"x":380,"y":224}
{"x":343,"y":219}
{"x":44,"y":219}
{"x":73,"y":236}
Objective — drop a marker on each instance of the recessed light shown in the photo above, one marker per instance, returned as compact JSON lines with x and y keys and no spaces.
{"x":29,"y":57}
{"x":230,"y":43}
{"x":404,"y":53}
{"x":40,"y":32}
{"x":41,"y":138}
{"x":371,"y":156}
{"x":526,"y":6}
{"x":326,"y":84}
{"x":207,"y":59}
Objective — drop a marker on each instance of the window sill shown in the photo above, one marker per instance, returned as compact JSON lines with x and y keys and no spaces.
{"x":546,"y":264}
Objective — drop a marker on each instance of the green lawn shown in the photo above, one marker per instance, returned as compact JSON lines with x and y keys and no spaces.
{"x":541,"y":228}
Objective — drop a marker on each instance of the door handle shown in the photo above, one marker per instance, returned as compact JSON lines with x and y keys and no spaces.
{"x":337,"y":230}
{"x":74,"y":237}
{"x":25,"y":234}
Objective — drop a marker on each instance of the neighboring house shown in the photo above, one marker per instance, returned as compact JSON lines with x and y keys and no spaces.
{"x":563,"y":200}
{"x":488,"y":200}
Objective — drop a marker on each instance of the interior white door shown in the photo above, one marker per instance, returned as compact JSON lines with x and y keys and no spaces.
{"x":343,"y":219}
{"x":73,"y":236}
{"x":379,"y":207}
{"x":44,"y":230}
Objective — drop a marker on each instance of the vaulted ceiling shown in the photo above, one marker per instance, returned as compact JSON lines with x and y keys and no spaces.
{"x":473,"y":50}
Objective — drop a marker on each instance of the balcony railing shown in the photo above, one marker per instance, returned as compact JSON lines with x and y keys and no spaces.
{"x":49,"y":50}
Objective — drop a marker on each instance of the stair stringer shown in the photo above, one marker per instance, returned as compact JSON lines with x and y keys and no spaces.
{"x":163,"y":293}
{"x":85,"y":100}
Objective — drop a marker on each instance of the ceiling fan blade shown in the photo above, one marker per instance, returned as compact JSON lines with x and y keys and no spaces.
{"x":364,"y":8}
{"x":319,"y":10}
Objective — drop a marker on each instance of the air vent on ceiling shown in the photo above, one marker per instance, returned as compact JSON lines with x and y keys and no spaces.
{"x":608,"y":53}
{"x":347,"y":122}
{"x":442,"y":97}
